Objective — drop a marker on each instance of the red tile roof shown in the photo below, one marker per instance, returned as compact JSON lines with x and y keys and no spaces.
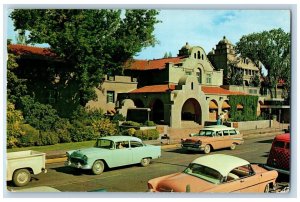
{"x":28,"y":50}
{"x":219,"y":90}
{"x":151,"y":64}
{"x":154,"y":89}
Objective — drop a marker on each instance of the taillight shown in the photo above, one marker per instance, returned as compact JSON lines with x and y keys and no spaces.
{"x":150,"y":186}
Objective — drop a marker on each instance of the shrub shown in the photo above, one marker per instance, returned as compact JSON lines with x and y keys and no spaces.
{"x":62,"y":128}
{"x":14,"y":123}
{"x":128,"y":132}
{"x":104,"y":127}
{"x":47,"y":138}
{"x":30,"y":137}
{"x":151,"y":134}
{"x":80,"y":132}
{"x":131,"y":123}
{"x":149,"y":123}
{"x":41,"y":116}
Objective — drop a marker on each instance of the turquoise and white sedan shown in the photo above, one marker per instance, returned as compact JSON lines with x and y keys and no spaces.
{"x":113,"y":151}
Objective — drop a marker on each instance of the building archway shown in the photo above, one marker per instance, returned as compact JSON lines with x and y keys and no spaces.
{"x":157,"y":111}
{"x":138,"y":103}
{"x":191,"y":111}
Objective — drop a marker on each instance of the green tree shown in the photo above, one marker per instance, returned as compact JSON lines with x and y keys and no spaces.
{"x":272,"y":49}
{"x":94,"y":42}
{"x":16,"y":87}
{"x":166,"y":55}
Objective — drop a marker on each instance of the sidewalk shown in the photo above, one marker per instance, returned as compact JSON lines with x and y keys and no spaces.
{"x":175,"y":137}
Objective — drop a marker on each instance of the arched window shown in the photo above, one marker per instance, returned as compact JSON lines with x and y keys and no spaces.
{"x":202,"y":56}
{"x":198,"y":54}
{"x":195,"y":55}
{"x":199,"y":75}
{"x":192,"y":86}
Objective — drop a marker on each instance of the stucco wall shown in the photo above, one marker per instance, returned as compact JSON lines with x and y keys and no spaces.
{"x":252,"y":125}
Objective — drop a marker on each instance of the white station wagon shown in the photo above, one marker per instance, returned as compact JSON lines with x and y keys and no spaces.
{"x":213,"y":137}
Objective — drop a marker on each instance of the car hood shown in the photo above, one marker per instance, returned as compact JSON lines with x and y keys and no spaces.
{"x":179,"y":182}
{"x":87,"y":151}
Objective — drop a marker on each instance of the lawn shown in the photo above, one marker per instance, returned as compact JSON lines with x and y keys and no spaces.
{"x":57,"y":147}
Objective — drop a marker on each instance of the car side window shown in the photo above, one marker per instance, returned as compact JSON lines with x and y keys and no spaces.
{"x":219,"y":133}
{"x":135,"y":144}
{"x":279,"y":144}
{"x":225,"y":133}
{"x":232,"y":132}
{"x":122,"y":145}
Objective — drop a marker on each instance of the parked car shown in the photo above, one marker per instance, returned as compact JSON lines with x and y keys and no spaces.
{"x":113,"y":151}
{"x":213,"y":137}
{"x":279,"y":156}
{"x":217,"y":173}
{"x":21,"y":165}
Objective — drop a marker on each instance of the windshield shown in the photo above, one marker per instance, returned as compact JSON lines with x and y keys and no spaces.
{"x":207,"y":133}
{"x":204,"y":173}
{"x":105,"y":144}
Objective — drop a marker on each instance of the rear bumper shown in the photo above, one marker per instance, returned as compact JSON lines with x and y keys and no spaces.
{"x":286,"y":172}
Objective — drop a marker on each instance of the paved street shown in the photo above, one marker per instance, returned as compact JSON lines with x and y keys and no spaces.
{"x":134,"y":178}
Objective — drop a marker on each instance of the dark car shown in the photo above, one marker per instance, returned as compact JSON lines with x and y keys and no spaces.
{"x":279,"y":156}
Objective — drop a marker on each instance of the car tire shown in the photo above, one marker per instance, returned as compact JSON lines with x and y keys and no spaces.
{"x":233,"y":146}
{"x":21,"y":177}
{"x":267,"y":188}
{"x":207,"y":149}
{"x":145,"y":162}
{"x":98,"y":167}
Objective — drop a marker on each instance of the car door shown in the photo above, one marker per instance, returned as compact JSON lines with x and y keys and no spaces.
{"x":217,"y":140}
{"x":138,"y":151}
{"x":121,"y":156}
{"x":227,"y":139}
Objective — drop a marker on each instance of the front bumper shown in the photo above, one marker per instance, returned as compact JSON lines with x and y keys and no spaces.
{"x":193,"y":148}
{"x":77,"y":165}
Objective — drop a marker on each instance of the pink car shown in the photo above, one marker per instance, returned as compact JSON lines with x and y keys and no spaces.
{"x":217,"y":173}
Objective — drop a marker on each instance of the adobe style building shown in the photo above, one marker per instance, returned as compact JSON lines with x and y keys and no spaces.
{"x":182,"y":91}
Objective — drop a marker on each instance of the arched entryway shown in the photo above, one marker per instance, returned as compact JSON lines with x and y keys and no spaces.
{"x":191,"y":111}
{"x":138,"y":103}
{"x":157,"y":111}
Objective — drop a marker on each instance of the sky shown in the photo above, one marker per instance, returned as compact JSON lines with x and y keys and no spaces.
{"x":203,"y":28}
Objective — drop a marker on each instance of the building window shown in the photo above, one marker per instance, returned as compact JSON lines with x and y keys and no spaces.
{"x":110,"y":96}
{"x":188,"y":73}
{"x":202,"y":56}
{"x":192,"y":86}
{"x":208,"y":78}
{"x":199,"y":76}
{"x":195,"y":55}
{"x":198,"y":54}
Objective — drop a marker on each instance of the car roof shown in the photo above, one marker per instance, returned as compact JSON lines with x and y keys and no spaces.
{"x":217,"y":127}
{"x":221,"y":162}
{"x":283,"y":137}
{"x":121,"y":138}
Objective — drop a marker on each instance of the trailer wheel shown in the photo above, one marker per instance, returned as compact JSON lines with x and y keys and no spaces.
{"x":21,"y":177}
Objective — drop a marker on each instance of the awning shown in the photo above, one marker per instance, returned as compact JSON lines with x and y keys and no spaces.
{"x":225,"y":105}
{"x":212,"y":105}
{"x":239,"y":106}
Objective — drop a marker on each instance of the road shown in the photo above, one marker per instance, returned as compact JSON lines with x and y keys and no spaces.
{"x":134,"y":178}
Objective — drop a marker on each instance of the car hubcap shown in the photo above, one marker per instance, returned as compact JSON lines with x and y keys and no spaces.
{"x":22,"y":177}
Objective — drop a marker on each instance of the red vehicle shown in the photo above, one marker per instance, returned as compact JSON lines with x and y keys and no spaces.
{"x":279,"y":156}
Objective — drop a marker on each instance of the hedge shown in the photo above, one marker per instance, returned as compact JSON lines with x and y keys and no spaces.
{"x":151,"y":134}
{"x":249,"y":111}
